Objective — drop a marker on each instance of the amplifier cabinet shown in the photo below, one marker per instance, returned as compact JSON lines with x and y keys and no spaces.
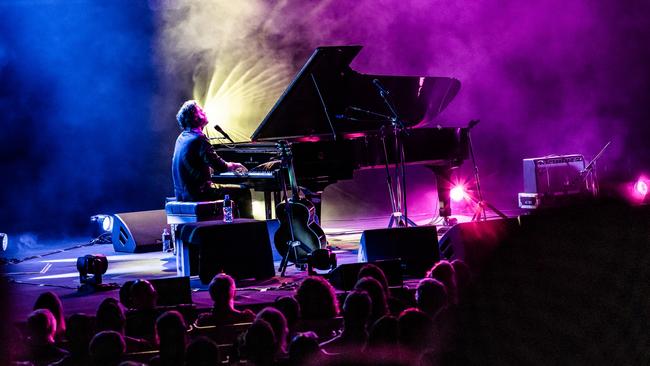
{"x":554,"y":175}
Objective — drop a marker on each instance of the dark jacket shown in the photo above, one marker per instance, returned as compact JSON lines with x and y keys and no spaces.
{"x":192,"y":165}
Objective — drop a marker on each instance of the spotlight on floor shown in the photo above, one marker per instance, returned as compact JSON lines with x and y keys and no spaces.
{"x":101,"y":225}
{"x":5,"y":241}
{"x":457,"y":193}
{"x":641,"y":187}
{"x":321,"y":259}
{"x":91,"y":267}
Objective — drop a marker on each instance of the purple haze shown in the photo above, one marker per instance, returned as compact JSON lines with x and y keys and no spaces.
{"x":549,"y":77}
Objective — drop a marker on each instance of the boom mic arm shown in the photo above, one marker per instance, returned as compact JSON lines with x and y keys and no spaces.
{"x":222,"y":132}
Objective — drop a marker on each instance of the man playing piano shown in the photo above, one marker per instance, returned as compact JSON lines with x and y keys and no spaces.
{"x":195,"y":159}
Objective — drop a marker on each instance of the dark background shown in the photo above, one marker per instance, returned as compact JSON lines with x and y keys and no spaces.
{"x":88,"y":97}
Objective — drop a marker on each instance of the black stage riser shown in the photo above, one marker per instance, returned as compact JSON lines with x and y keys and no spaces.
{"x":417,"y":247}
{"x":475,"y":242}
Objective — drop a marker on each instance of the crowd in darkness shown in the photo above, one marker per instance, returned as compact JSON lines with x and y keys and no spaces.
{"x":371,"y":326}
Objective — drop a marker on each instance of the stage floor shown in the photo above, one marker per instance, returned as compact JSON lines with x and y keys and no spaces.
{"x":54,"y":269}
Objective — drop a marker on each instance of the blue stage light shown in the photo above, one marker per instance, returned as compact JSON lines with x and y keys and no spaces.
{"x":101,"y":225}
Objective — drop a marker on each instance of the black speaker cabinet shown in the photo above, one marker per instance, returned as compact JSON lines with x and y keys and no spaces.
{"x":345,"y":276}
{"x":417,"y":247}
{"x":474,"y":242}
{"x":138,"y":232}
{"x":241,"y":249}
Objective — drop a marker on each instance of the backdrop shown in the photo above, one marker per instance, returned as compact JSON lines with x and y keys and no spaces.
{"x":89,"y":89}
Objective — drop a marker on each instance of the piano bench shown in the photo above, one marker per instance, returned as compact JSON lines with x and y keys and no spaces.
{"x":179,"y":212}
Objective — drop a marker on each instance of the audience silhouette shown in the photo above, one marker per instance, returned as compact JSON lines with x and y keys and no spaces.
{"x":356,"y":312}
{"x":110,"y":316}
{"x":50,"y":301}
{"x":40,"y":346}
{"x":106,"y":348}
{"x":278,"y":322}
{"x":222,"y":292}
{"x":317,"y":299}
{"x":377,"y":295}
{"x":369,"y":333}
{"x":171,"y":333}
{"x":431,"y":296}
{"x":79,"y":333}
{"x":202,"y":351}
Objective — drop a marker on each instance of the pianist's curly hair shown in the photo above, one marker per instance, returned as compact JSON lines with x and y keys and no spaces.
{"x":187,"y":116}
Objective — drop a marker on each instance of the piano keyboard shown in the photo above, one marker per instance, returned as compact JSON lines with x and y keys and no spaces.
{"x":249,"y":174}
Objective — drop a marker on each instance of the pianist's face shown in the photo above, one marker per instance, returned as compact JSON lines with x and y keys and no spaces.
{"x":201,"y":118}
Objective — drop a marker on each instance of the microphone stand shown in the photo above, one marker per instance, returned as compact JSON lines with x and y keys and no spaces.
{"x":481,"y":204}
{"x":589,"y":172}
{"x":399,"y":217}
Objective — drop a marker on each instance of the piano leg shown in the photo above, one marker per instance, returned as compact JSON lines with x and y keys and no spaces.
{"x":443,"y":184}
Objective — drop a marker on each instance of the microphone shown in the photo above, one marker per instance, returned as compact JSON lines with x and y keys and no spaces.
{"x":380,"y":87}
{"x":221,"y":131}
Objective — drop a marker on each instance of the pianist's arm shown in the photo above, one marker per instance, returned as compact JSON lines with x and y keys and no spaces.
{"x":219,"y":165}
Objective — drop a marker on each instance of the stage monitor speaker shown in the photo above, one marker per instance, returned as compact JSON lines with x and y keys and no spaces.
{"x":474,"y":242}
{"x":138,"y":232}
{"x":416,"y":246}
{"x":345,"y":276}
{"x":171,"y":291}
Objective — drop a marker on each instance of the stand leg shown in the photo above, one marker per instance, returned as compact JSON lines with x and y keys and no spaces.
{"x":495,"y":210}
{"x":284,"y":263}
{"x":397,"y":219}
{"x":479,"y":212}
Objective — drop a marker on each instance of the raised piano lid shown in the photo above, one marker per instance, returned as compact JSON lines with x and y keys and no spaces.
{"x":301,"y":115}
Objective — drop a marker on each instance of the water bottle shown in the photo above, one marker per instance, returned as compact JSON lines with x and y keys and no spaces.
{"x":227,"y":209}
{"x":166,"y":240}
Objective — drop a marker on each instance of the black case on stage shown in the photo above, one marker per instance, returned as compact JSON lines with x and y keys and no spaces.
{"x":241,"y":249}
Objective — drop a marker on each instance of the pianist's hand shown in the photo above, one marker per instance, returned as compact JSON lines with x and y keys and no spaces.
{"x":237,"y":168}
{"x":269,"y":166}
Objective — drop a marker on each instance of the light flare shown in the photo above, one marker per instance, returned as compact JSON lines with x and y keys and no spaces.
{"x":458,"y":193}
{"x":641,"y":187}
{"x":240,"y":92}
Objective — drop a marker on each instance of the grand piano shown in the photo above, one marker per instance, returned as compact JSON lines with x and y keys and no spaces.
{"x":335,"y":120}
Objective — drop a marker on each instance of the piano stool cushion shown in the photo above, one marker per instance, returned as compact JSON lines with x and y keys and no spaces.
{"x":179,"y":212}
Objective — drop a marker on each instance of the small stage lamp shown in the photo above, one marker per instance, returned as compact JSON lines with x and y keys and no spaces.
{"x":101,"y":225}
{"x":322,"y":259}
{"x":5,"y":241}
{"x":91,"y":267}
{"x":641,"y":187}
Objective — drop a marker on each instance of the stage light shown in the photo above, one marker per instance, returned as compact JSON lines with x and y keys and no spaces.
{"x":91,"y":268}
{"x":107,"y":223}
{"x":5,"y":241}
{"x":457,"y":193}
{"x":100,"y":225}
{"x":641,"y":187}
{"x":322,"y":259}
{"x":240,"y":92}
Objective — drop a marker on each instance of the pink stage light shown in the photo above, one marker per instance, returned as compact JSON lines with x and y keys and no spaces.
{"x":641,"y":187}
{"x":457,"y":193}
